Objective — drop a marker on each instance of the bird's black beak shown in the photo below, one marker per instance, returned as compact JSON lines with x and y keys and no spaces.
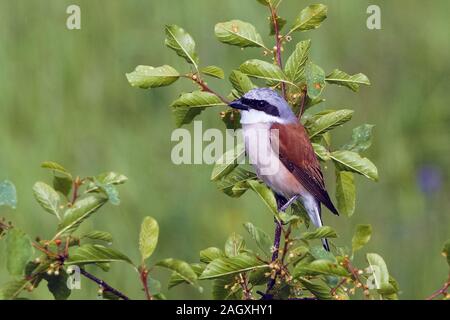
{"x":238,"y":104}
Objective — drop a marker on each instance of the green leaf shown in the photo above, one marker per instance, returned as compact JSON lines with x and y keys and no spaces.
{"x":8,"y":194}
{"x":361,"y":236}
{"x":238,"y":33}
{"x":148,"y":238}
{"x":113,"y":178}
{"x":241,"y":82}
{"x":189,"y":105}
{"x":263,"y":70}
{"x":352,"y":161}
{"x":321,"y":152}
{"x":232,"y":119}
{"x":321,"y":266}
{"x":47,"y":197}
{"x":81,"y":210}
{"x":62,"y":183}
{"x":12,"y":289}
{"x":235,"y":184}
{"x":345,"y":192}
{"x":234,"y":245}
{"x":176,"y":279}
{"x":183,"y":269}
{"x":262,"y":239}
{"x":361,"y":138}
{"x":57,"y":285}
{"x":310,"y":18}
{"x":446,"y":251}
{"x":19,"y":251}
{"x":55,"y":167}
{"x":226,"y":266}
{"x":343,"y":79}
{"x":319,"y":233}
{"x":379,"y":269}
{"x":326,"y":121}
{"x":228,"y":162}
{"x":210,"y":254}
{"x":295,"y":65}
{"x":99,"y":235}
{"x":280,"y":22}
{"x":315,"y":79}
{"x":94,"y":253}
{"x":154,"y":286}
{"x":146,"y":77}
{"x":213,"y":71}
{"x":320,"y":290}
{"x":182,"y":43}
{"x":265,"y":194}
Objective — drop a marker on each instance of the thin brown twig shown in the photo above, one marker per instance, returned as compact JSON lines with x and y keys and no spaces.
{"x":278,"y":45}
{"x":76,"y":185}
{"x":442,"y":291}
{"x":244,"y":285}
{"x":143,"y":274}
{"x":204,"y":87}
{"x":302,"y":103}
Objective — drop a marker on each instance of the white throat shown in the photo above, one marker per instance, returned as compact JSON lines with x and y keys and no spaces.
{"x":253,"y":116}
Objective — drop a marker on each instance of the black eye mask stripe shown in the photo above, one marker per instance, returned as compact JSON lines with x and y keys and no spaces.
{"x":261,"y":105}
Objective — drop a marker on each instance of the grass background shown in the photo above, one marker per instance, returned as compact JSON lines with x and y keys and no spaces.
{"x":64,"y":97}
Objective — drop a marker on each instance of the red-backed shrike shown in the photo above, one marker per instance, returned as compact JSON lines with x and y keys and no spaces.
{"x":269,"y":123}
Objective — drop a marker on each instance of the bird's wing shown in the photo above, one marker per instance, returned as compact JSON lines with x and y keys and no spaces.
{"x":297,"y":154}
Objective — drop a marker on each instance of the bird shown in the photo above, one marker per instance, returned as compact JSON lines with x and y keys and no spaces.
{"x":279,"y":149}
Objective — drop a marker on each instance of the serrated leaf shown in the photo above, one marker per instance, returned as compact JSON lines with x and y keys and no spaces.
{"x":12,"y":289}
{"x":352,"y":161}
{"x":321,"y":152}
{"x":320,"y":290}
{"x":263,"y":70}
{"x":146,"y":77}
{"x":209,"y":254}
{"x":148,"y":238}
{"x":343,"y":79}
{"x":234,"y":184}
{"x":234,"y":245}
{"x":183,"y":269}
{"x":361,"y":138}
{"x":326,"y":121}
{"x":94,"y":253}
{"x":295,"y":65}
{"x":262,"y":239}
{"x":47,"y":197}
{"x":241,"y":82}
{"x":226,"y":266}
{"x":8,"y":194}
{"x":265,"y":194}
{"x":345,"y":192}
{"x":238,"y":33}
{"x":19,"y":251}
{"x":361,"y":237}
{"x":176,"y":279}
{"x":320,"y":266}
{"x":379,"y":269}
{"x":99,"y":235}
{"x":182,"y":43}
{"x":446,"y":251}
{"x":189,"y":105}
{"x":315,"y":79}
{"x":310,"y":18}
{"x":213,"y":71}
{"x":319,"y":233}
{"x":79,"y":212}
{"x":228,"y":162}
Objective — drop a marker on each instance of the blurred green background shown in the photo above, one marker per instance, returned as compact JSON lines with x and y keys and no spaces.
{"x":64,"y":97}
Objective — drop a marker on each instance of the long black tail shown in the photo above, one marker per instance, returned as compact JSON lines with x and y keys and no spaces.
{"x":325,"y":244}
